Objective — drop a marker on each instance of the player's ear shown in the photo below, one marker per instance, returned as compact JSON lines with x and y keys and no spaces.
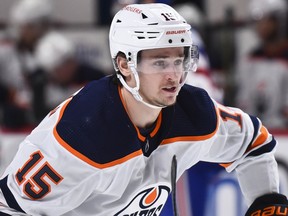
{"x":123,"y":66}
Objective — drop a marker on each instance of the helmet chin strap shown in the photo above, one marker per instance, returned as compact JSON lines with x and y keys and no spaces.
{"x":135,"y":90}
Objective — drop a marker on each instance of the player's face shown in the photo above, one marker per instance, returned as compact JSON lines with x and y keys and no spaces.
{"x":161,"y":74}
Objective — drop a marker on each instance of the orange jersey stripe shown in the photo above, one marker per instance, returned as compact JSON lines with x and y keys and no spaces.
{"x":187,"y":138}
{"x":260,"y":139}
{"x":158,"y":124}
{"x":225,"y":165}
{"x":83,"y":157}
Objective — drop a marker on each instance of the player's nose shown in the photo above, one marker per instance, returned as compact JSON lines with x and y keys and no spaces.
{"x":172,"y":73}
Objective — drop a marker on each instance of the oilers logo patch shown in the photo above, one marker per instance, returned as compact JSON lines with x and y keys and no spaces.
{"x":149,"y":201}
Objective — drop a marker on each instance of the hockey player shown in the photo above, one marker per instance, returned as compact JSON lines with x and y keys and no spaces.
{"x":29,"y":21}
{"x":118,"y":145}
{"x":262,"y":74}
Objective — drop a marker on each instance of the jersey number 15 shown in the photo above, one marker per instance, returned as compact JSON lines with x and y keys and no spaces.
{"x":36,"y":187}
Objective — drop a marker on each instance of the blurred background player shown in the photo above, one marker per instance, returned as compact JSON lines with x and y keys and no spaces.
{"x":38,"y":69}
{"x":262,"y":76}
{"x":29,"y":21}
{"x":64,"y":72}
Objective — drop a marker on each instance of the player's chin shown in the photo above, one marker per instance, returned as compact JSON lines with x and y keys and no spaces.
{"x":168,"y":101}
{"x":170,"y":104}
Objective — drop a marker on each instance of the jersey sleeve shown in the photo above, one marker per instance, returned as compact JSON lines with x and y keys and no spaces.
{"x":44,"y":178}
{"x":243,"y":144}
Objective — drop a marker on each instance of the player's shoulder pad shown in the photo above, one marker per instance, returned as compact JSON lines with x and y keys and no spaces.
{"x":94,"y":121}
{"x":195,"y":112}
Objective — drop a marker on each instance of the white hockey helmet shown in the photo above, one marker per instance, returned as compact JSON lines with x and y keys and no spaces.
{"x":147,"y":26}
{"x":27,"y":11}
{"x":54,"y":49}
{"x":191,"y":13}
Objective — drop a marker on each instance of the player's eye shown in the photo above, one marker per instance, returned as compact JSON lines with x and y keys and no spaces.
{"x":178,"y":62}
{"x":161,"y":64}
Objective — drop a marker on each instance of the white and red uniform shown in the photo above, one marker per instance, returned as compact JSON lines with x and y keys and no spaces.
{"x":87,"y":157}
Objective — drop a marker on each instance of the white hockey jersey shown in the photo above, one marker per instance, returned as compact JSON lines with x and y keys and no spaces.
{"x":87,"y":158}
{"x":262,"y":88}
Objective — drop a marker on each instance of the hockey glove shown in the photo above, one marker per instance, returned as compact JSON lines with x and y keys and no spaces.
{"x":269,"y":204}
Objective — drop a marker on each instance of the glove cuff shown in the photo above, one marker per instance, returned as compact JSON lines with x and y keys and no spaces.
{"x":269,"y":204}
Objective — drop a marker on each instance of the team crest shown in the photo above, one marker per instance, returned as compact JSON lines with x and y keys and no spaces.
{"x":150,"y":201}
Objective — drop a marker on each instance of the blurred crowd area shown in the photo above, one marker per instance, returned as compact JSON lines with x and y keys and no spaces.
{"x":50,"y":49}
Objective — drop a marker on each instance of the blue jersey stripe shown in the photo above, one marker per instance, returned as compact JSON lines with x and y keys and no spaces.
{"x":10,"y":199}
{"x":256,"y":125}
{"x":263,"y":149}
